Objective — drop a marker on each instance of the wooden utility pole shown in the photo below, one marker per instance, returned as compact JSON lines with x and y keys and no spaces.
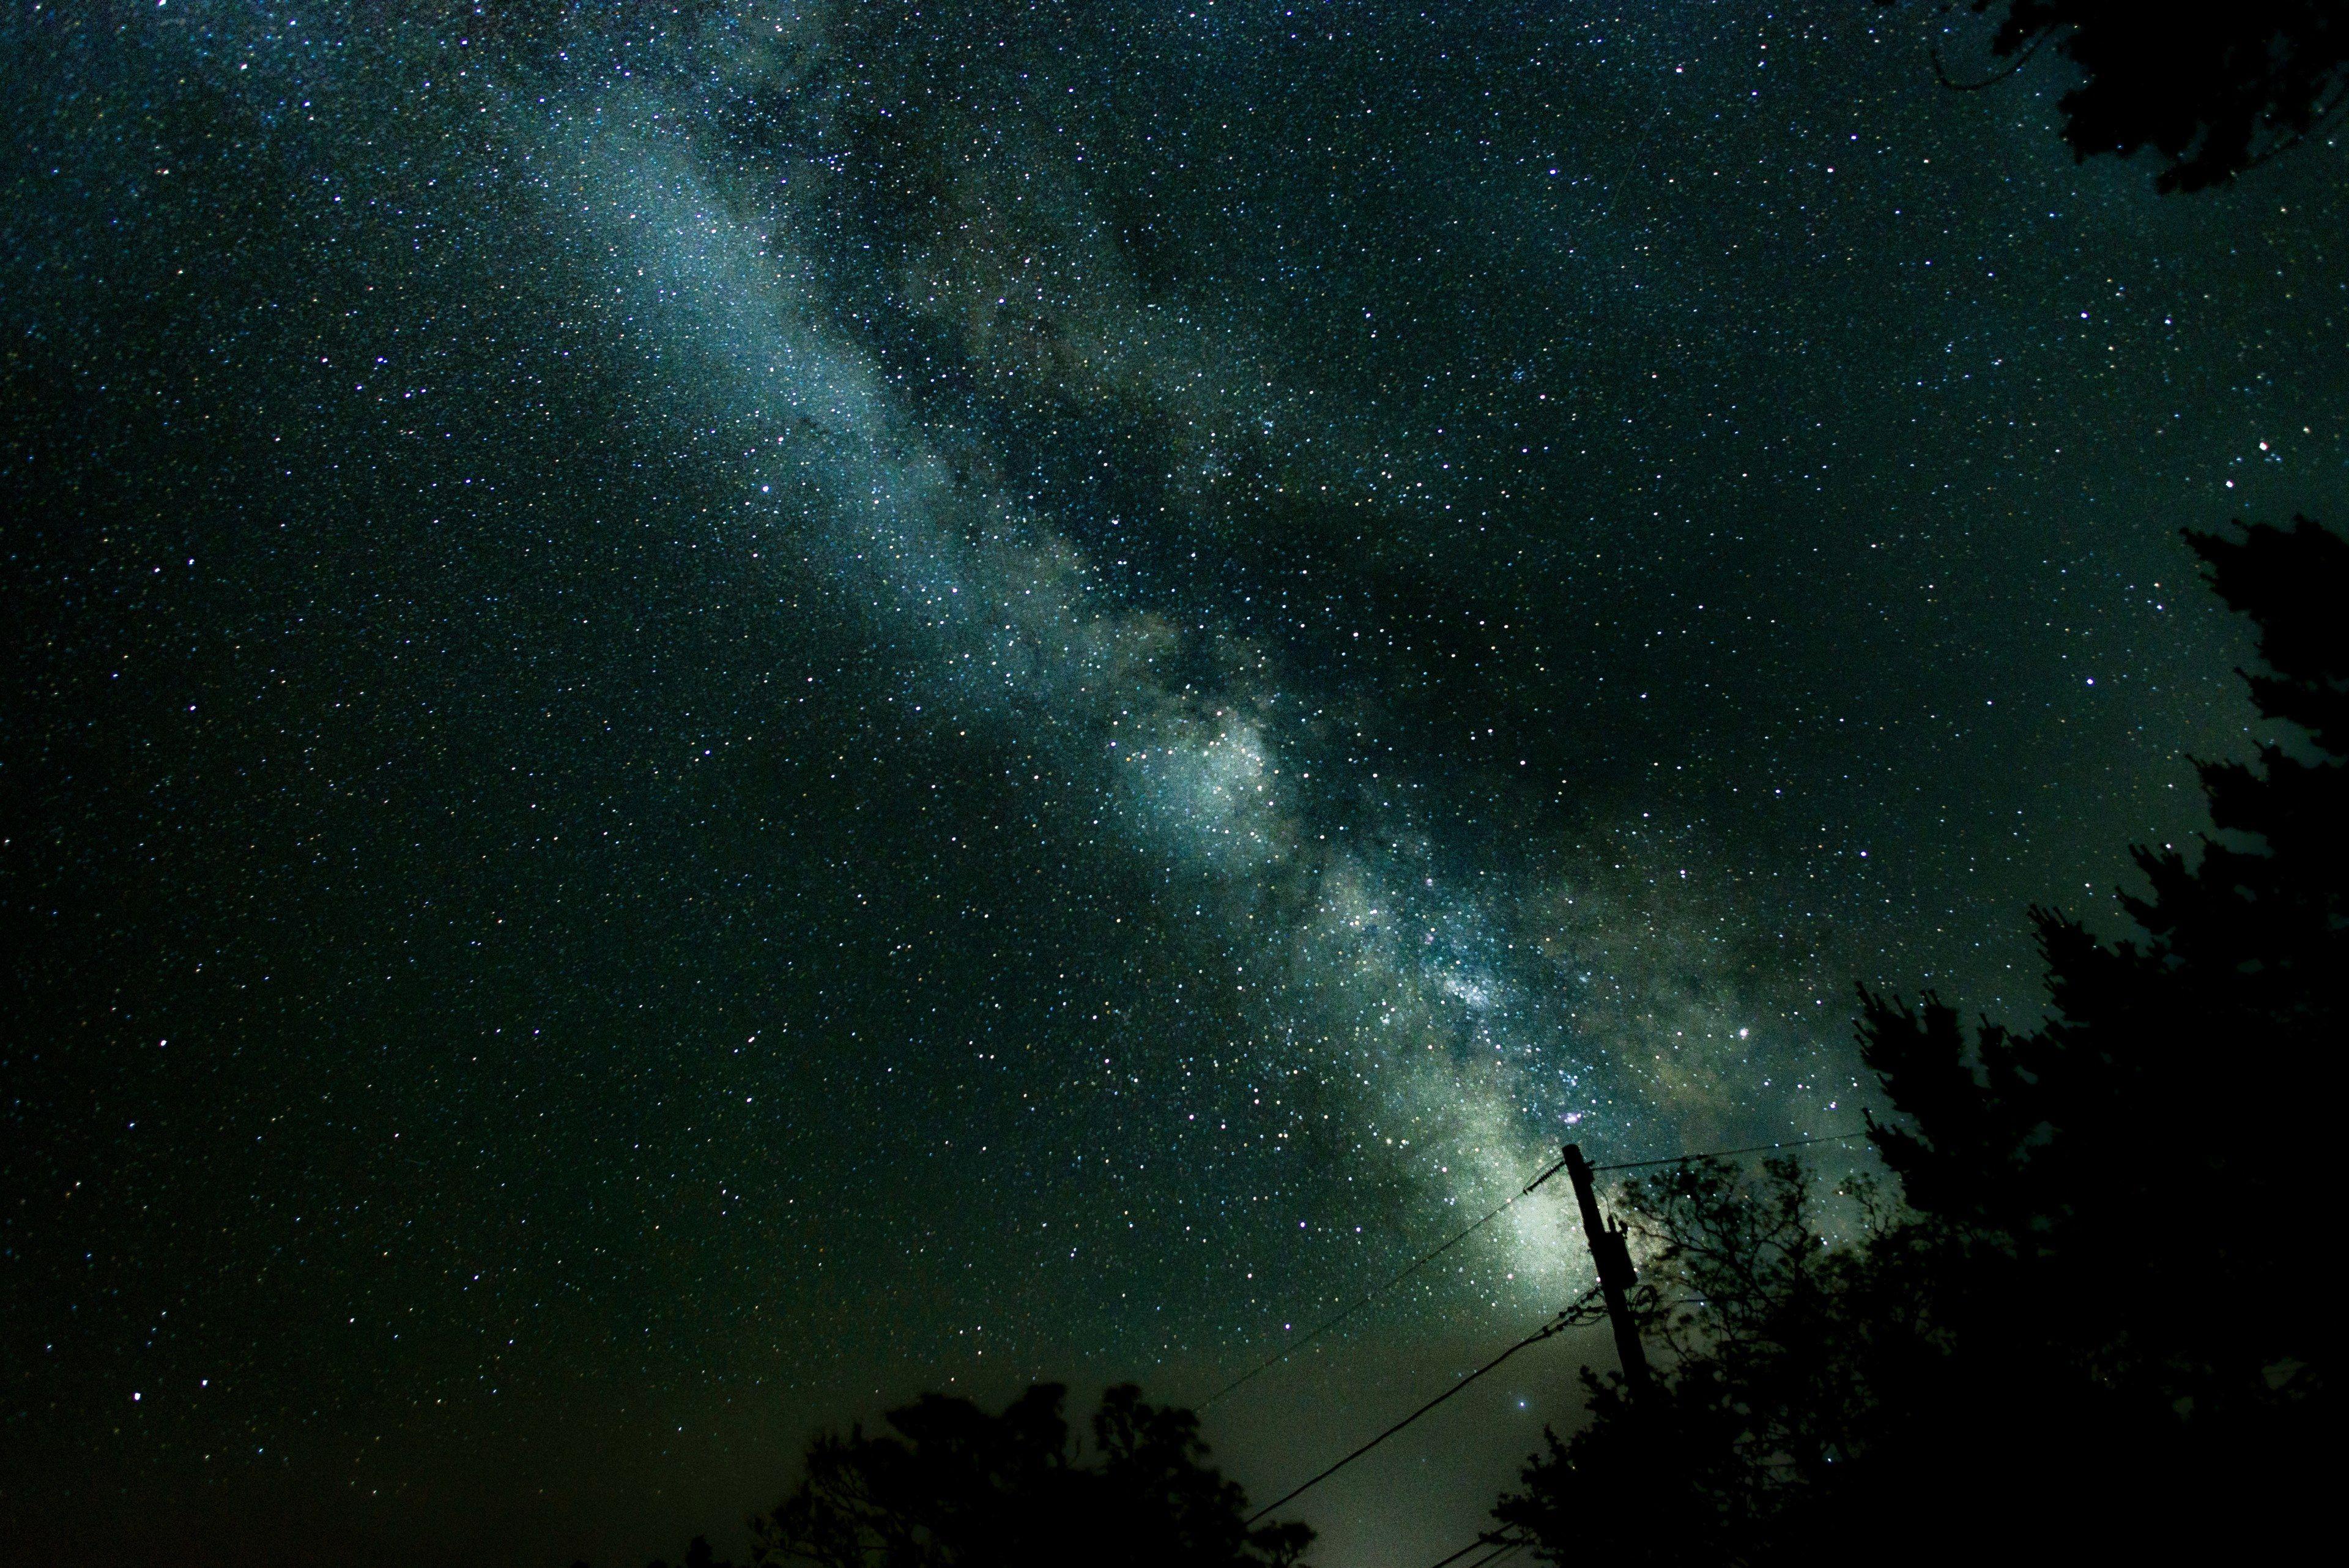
{"x":1613,"y":1256}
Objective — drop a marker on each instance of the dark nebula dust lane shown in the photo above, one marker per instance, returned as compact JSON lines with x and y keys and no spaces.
{"x":716,"y":710}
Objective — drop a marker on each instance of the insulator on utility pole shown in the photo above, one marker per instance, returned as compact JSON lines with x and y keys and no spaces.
{"x":1613,"y":1256}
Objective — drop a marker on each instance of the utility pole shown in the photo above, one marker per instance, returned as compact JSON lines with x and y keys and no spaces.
{"x":1613,"y":1256}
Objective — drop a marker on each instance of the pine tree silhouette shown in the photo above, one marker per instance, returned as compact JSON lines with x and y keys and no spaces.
{"x":2090,"y":1327}
{"x":2162,"y":1133}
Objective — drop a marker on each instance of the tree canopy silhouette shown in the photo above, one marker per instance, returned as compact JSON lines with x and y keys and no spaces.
{"x":2214,"y":87}
{"x":2158,"y":1134}
{"x":1757,"y":1316}
{"x":2090,"y":1320}
{"x":950,"y":1485}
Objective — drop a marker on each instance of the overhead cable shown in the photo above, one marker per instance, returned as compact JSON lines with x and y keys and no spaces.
{"x":1367,"y":1297}
{"x":1350,"y":1308}
{"x":1506,"y":1549}
{"x":1505,"y":1543}
{"x":1725,"y":1153}
{"x":1555,"y":1325}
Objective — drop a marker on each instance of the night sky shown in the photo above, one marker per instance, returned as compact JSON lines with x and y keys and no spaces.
{"x":715,"y":712}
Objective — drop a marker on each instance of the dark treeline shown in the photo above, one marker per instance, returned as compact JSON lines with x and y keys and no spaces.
{"x":950,"y":1485}
{"x":2078,"y":1317}
{"x":2083,"y":1319}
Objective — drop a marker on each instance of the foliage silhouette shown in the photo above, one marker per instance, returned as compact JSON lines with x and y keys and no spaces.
{"x":2090,"y":1326}
{"x":2055,"y":1145}
{"x":1737,"y":1286}
{"x":950,"y":1485}
{"x":2212,"y":87}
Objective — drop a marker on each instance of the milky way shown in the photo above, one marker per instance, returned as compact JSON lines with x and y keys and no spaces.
{"x":1433,"y":1013}
{"x":733,"y":709}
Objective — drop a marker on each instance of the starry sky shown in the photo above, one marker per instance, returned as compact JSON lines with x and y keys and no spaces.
{"x":716,"y":710}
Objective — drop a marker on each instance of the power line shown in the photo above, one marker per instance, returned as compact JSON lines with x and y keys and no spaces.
{"x":1506,"y":1545}
{"x":1350,"y":1308}
{"x":1725,"y":1153}
{"x":1579,"y":1313}
{"x":1294,"y":1493}
{"x":1293,"y":1346}
{"x":1570,"y":1317}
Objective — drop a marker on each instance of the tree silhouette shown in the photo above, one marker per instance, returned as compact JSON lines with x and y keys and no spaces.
{"x":2092,"y":1325}
{"x":1739,"y":1287}
{"x":2214,"y":87}
{"x":950,"y":1485}
{"x":2160,"y":1132}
